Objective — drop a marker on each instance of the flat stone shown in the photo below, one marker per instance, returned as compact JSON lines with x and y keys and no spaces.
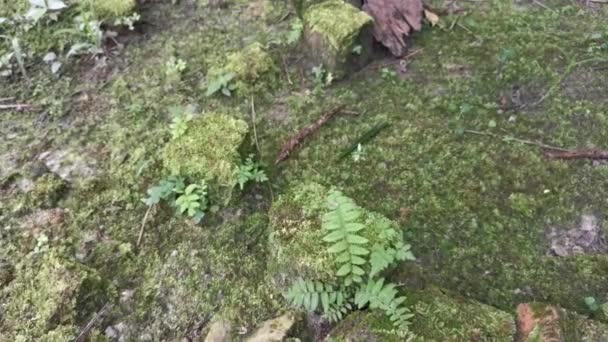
{"x":219,"y":331}
{"x":273,"y":330}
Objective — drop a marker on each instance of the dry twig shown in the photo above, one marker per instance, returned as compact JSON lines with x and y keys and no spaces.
{"x":288,"y":147}
{"x":83,"y":334}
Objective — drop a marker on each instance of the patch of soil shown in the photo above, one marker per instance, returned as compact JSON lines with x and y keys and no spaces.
{"x":587,"y":238}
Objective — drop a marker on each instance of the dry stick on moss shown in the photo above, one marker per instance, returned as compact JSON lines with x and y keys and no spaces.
{"x":569,"y":69}
{"x":522,"y":141}
{"x":304,"y":133}
{"x":19,"y":106}
{"x":257,"y":144}
{"x":83,"y":334}
{"x":143,"y":226}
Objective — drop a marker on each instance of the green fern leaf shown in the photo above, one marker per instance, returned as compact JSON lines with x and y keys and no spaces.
{"x":342,"y":227}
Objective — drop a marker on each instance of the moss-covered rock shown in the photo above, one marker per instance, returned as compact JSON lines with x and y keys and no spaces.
{"x":252,"y":70}
{"x":47,"y":191}
{"x":112,"y":9}
{"x":338,"y":36}
{"x":302,"y":5}
{"x":439,"y":316}
{"x":296,"y":245}
{"x":47,"y":299}
{"x":208,"y":150}
{"x":543,"y":322}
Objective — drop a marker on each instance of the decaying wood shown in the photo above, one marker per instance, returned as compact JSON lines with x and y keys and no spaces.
{"x":304,"y":133}
{"x":394,"y":20}
{"x":593,"y":154}
{"x":17,"y":107}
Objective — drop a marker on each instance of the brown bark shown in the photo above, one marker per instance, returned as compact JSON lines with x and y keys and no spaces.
{"x":305,"y":132}
{"x":593,"y":154}
{"x":394,"y":20}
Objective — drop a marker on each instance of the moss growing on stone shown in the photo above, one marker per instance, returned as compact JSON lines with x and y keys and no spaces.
{"x":209,"y":150}
{"x":46,"y":299}
{"x":439,"y":316}
{"x":112,"y":9}
{"x":296,"y":235}
{"x":332,"y":30}
{"x":47,"y":191}
{"x":253,"y":70}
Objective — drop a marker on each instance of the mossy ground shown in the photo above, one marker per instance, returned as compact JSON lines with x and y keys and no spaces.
{"x":475,"y":208}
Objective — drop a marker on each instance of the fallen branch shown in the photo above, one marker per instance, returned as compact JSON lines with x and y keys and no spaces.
{"x":143,"y":226}
{"x":255,"y":131}
{"x":288,"y":147}
{"x":369,"y":135}
{"x":593,"y":154}
{"x":83,"y":334}
{"x":522,"y":141}
{"x":18,"y":107}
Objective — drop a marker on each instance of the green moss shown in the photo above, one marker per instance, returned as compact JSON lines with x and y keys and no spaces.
{"x":209,"y":150}
{"x":47,"y":299}
{"x":296,"y":245}
{"x":112,"y":9}
{"x":438,"y":317}
{"x":253,"y":68}
{"x":337,"y":22}
{"x":332,"y":30}
{"x":48,"y":190}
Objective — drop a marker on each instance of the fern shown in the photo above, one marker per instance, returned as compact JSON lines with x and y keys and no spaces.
{"x":342,"y":226}
{"x":308,"y":295}
{"x":378,"y":295}
{"x":381,"y":258}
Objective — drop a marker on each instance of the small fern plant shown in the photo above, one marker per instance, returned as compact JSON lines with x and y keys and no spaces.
{"x":358,"y":265}
{"x":190,"y":200}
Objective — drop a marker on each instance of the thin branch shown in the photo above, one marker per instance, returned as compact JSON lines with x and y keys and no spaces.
{"x":255,"y":131}
{"x":18,"y":106}
{"x":522,"y":141}
{"x":83,"y":334}
{"x":143,"y":226}
{"x":4,"y":99}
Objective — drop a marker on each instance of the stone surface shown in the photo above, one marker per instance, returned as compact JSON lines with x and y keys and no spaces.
{"x":439,"y":316}
{"x":546,"y":323}
{"x":219,"y":331}
{"x":338,"y":36}
{"x":587,"y":238}
{"x":273,"y":330}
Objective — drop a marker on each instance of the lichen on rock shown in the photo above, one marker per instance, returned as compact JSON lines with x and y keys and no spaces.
{"x":209,"y":151}
{"x":338,"y":36}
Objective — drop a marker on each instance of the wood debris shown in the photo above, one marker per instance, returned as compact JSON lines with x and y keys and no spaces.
{"x":394,"y":21}
{"x":288,"y":147}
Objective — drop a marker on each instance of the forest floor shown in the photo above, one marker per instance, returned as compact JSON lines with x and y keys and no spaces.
{"x":488,"y":217}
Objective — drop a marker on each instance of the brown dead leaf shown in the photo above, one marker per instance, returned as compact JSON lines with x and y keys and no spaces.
{"x":431,"y":17}
{"x":394,"y":20}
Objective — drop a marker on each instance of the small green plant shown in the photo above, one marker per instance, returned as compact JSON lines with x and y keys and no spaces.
{"x":40,"y":8}
{"x":179,"y":123}
{"x":358,"y":264}
{"x":250,"y":171}
{"x":193,"y":201}
{"x":223,"y":84}
{"x":295,"y":32}
{"x":190,"y":199}
{"x":174,"y":68}
{"x":596,"y":307}
{"x":358,"y":154}
{"x":388,"y":74}
{"x":357,"y":49}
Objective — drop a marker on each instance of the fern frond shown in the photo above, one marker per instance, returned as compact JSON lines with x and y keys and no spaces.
{"x":381,"y":258}
{"x":378,"y":295}
{"x":308,"y":295}
{"x":342,"y":227}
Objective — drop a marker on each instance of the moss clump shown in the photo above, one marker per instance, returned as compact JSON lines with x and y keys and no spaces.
{"x":253,"y":70}
{"x":332,"y":30}
{"x":296,"y":246}
{"x":439,"y":317}
{"x":47,"y":299}
{"x":47,"y":191}
{"x":209,"y":150}
{"x":112,"y":9}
